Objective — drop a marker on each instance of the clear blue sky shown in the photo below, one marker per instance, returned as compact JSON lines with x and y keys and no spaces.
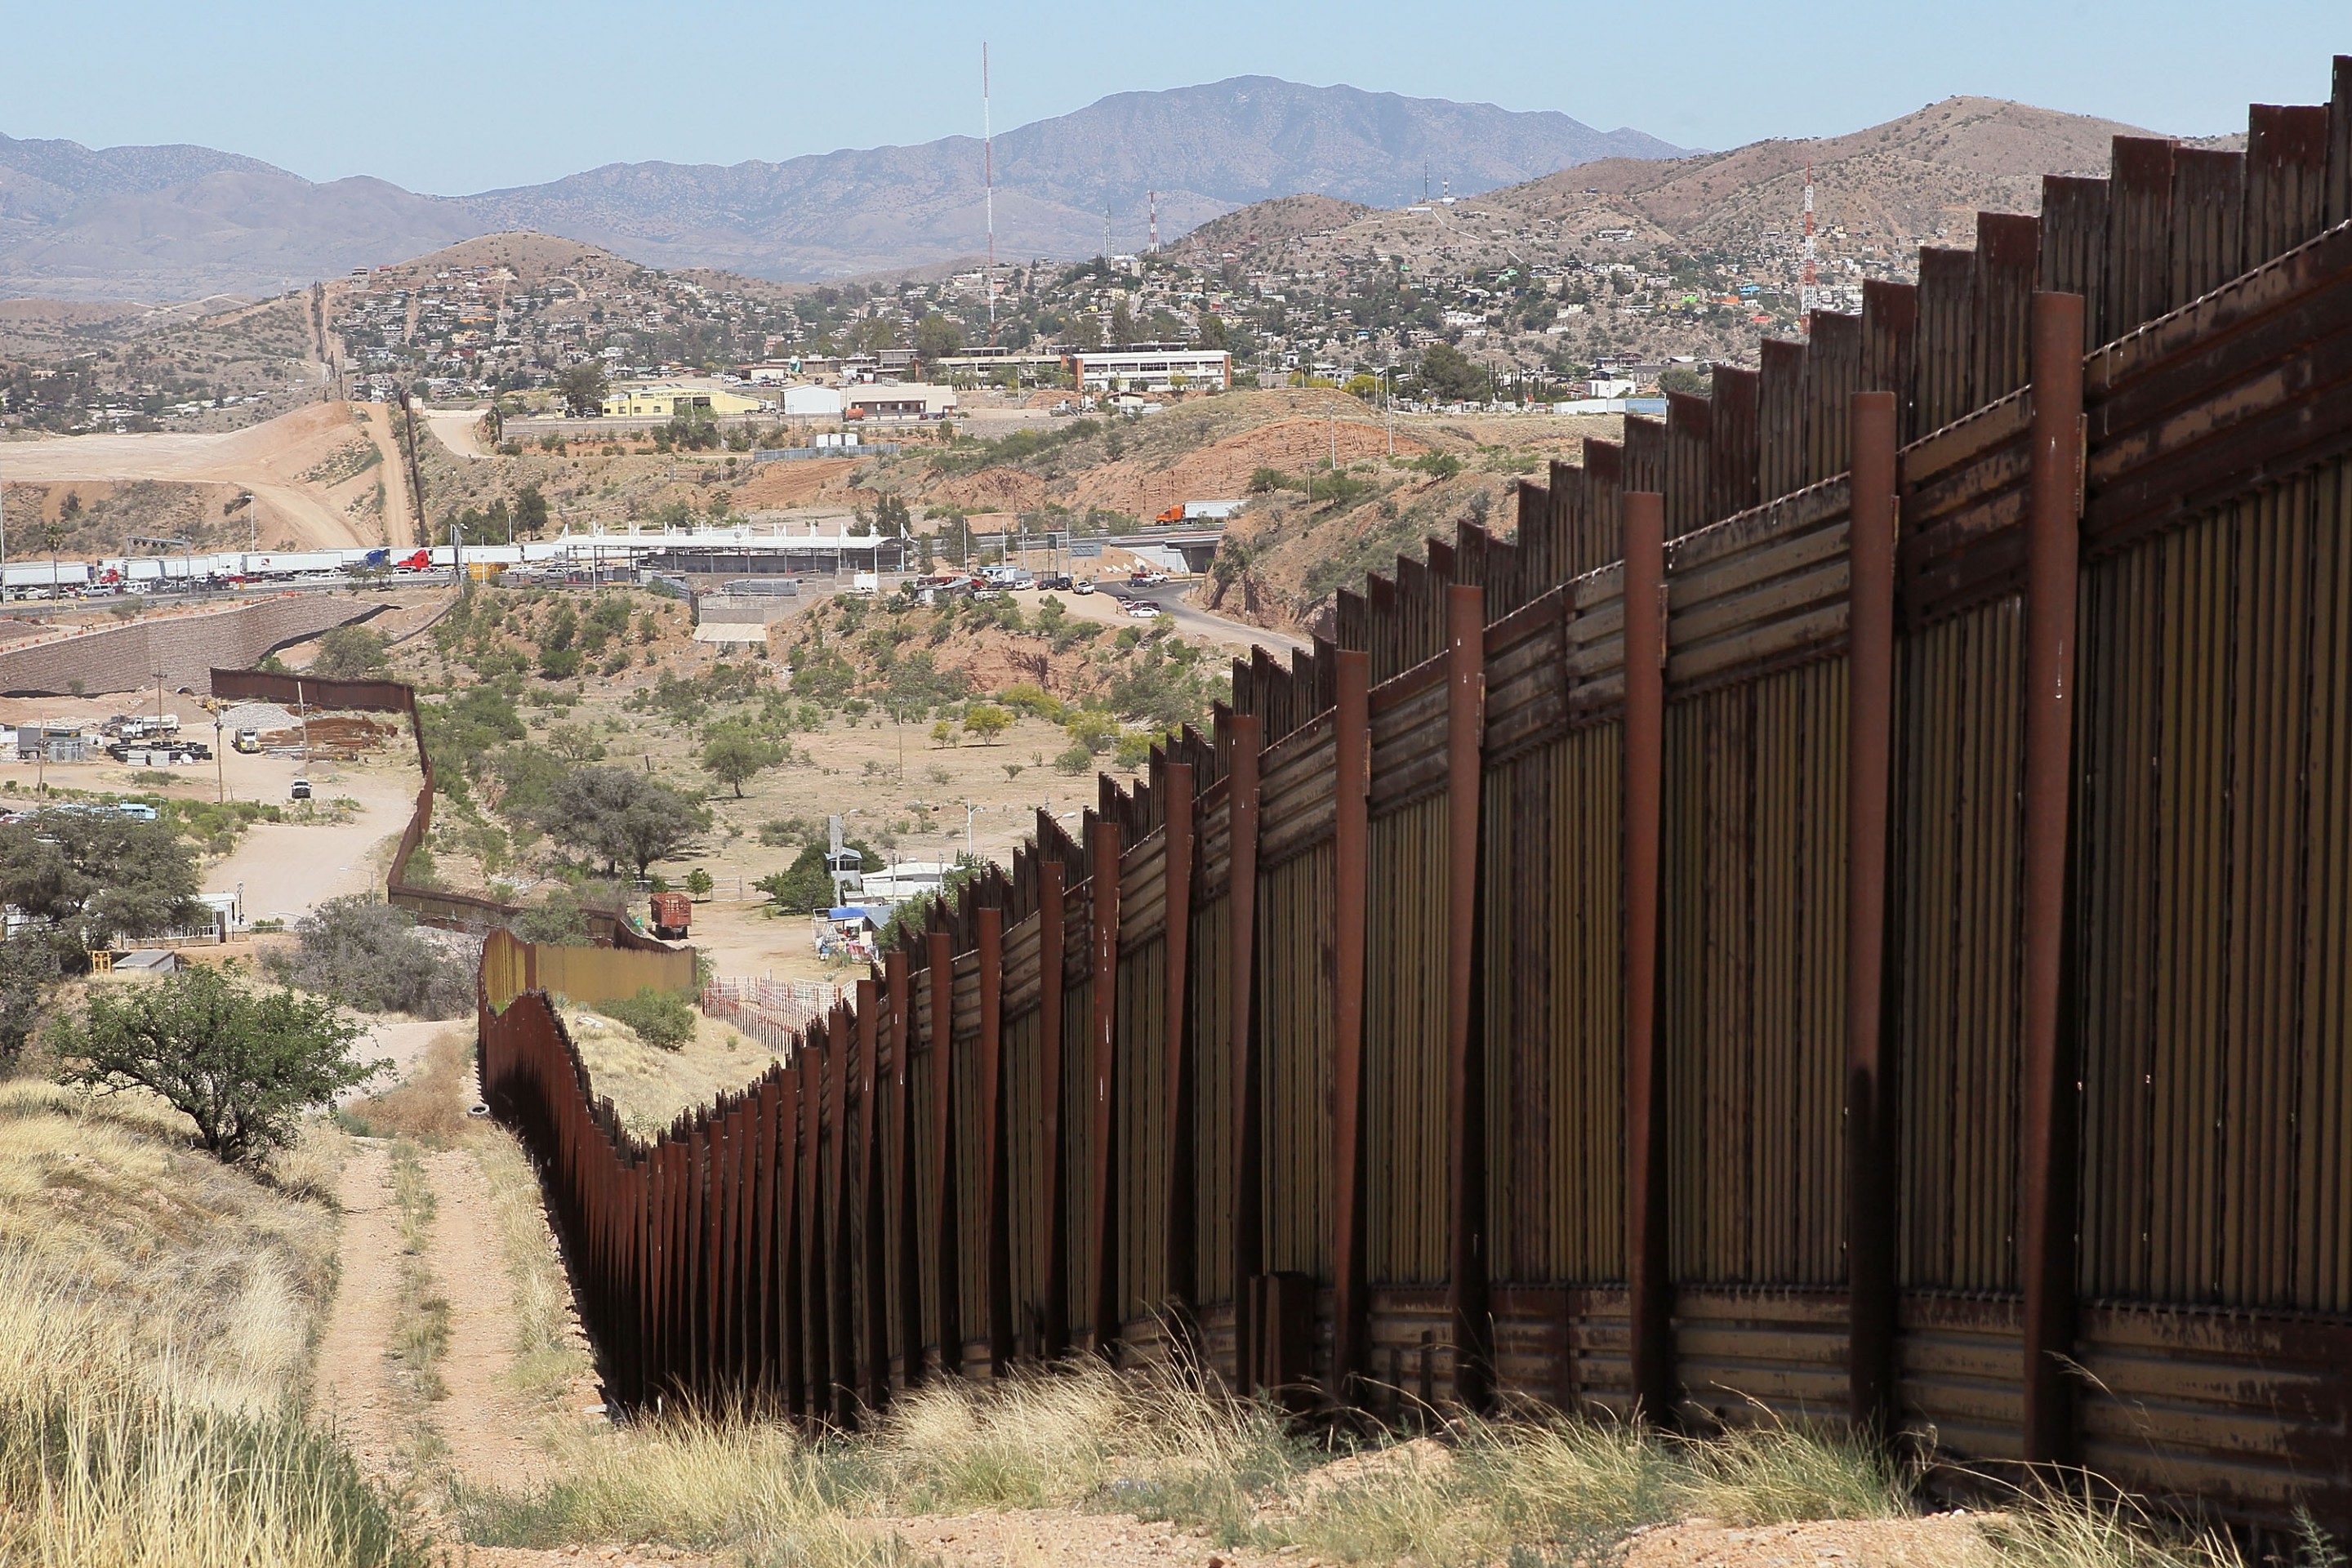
{"x":452,"y":98}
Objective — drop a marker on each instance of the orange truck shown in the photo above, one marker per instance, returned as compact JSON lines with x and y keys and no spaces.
{"x":671,"y":912}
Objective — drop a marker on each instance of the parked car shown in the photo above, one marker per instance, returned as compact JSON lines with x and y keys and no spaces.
{"x":298,"y":790}
{"x":1144,"y":609}
{"x":1083,"y":585}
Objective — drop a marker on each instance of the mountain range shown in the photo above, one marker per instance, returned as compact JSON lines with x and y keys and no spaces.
{"x":176,"y":222}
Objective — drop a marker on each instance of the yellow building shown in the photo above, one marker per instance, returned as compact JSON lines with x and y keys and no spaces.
{"x":676,"y":403}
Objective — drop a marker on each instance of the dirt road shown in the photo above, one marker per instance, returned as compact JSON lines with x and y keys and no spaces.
{"x":458,"y":429}
{"x":286,"y":463}
{"x":286,"y":870}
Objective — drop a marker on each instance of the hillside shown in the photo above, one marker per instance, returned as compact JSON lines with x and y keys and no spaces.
{"x":1269,"y":222}
{"x":170,"y":222}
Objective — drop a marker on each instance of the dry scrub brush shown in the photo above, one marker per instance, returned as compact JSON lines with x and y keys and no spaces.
{"x":156,"y":1316}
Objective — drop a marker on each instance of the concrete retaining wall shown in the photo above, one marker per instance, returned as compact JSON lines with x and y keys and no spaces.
{"x":185,"y":647}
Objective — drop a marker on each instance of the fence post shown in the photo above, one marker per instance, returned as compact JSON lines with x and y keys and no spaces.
{"x":994,"y":1196}
{"x":1053,"y":914}
{"x":941,"y":1231}
{"x":1241,"y":908}
{"x":840,"y":1321}
{"x":2052,"y":543}
{"x":899,"y":983}
{"x":816,"y":1369}
{"x":790,"y":1346}
{"x":1649,"y":1294}
{"x":1465,"y":1078}
{"x":1351,"y":849}
{"x":1102,"y":1284}
{"x":1870,"y":1171}
{"x":767,"y":1094}
{"x":1176,"y":947}
{"x":874,"y":1339}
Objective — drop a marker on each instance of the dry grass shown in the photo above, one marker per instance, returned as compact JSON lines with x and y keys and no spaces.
{"x":649,"y":1087}
{"x":550,"y":1356}
{"x":429,"y":1105}
{"x":420,"y":1325}
{"x":156,"y":1317}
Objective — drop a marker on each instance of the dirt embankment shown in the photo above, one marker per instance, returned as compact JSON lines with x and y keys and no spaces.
{"x":317,"y":476}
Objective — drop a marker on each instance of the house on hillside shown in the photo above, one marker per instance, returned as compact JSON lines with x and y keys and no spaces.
{"x":676,"y":402}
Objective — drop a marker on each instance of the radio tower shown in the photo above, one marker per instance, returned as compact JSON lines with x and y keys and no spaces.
{"x":1808,"y":286}
{"x":988,"y":175}
{"x":1155,"y":220}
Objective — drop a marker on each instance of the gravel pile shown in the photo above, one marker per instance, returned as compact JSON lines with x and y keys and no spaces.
{"x":257,"y":716}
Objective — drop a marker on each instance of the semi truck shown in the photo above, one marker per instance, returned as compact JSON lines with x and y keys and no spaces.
{"x":1203,"y":512}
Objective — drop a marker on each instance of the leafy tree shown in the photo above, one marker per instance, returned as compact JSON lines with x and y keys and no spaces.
{"x":987,"y":722}
{"x":584,"y":388}
{"x":530,"y":513}
{"x":943,"y":733}
{"x":936,"y":337}
{"x":1212,"y":331}
{"x":94,"y":876}
{"x":370,"y":955}
{"x":1265,"y":481}
{"x":243,"y":1064}
{"x":734,"y":753}
{"x":28,"y":968}
{"x":350,"y":653}
{"x":1122,"y":325}
{"x":807,"y":883}
{"x":621,"y":817}
{"x":576,"y":743}
{"x":698,"y":883}
{"x":558,"y":922}
{"x":1450,"y":375}
{"x":1095,"y":730}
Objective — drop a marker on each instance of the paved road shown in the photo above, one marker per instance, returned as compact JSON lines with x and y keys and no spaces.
{"x":1176,"y":599}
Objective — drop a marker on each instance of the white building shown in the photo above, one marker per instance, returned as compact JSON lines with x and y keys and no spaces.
{"x":1156,"y":368}
{"x":813,"y":402}
{"x":895,"y":400}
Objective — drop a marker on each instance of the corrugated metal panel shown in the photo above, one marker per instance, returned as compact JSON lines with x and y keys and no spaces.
{"x":2216,"y":813}
{"x":1753,"y":1018}
{"x":1556,"y":1165}
{"x":1296,"y":1037}
{"x":1210,"y":976}
{"x":1404,"y":1047}
{"x":1955,"y":892}
{"x":1077,"y":1147}
{"x":1141,"y":1139}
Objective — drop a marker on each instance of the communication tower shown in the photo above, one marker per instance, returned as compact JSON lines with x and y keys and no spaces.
{"x":988,"y":176}
{"x":1155,"y":220}
{"x":1809,"y":280}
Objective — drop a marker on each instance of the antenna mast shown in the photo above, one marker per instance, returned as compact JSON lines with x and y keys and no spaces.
{"x":1808,"y":287}
{"x":1155,"y":219}
{"x":988,"y":175}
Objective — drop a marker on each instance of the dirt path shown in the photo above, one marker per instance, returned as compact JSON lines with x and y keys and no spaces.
{"x":353,"y":1387}
{"x":490,"y":1429}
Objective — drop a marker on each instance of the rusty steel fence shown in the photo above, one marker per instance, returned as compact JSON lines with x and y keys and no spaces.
{"x":1844,"y":915}
{"x":431,"y":906}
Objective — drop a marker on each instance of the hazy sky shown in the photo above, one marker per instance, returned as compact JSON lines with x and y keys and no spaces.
{"x":458,"y":97}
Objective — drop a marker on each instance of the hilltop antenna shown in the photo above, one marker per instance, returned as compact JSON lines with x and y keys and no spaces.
{"x":1154,"y":198}
{"x":1106,"y":249}
{"x":1808,"y":286}
{"x":988,"y":176}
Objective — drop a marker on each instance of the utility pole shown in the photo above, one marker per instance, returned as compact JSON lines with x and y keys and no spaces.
{"x":988,"y":167}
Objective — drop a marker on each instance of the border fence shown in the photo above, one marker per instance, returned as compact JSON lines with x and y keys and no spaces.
{"x":431,"y":906}
{"x":1846,"y":914}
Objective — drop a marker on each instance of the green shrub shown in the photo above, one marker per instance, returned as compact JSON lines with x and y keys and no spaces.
{"x":660,"y":1018}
